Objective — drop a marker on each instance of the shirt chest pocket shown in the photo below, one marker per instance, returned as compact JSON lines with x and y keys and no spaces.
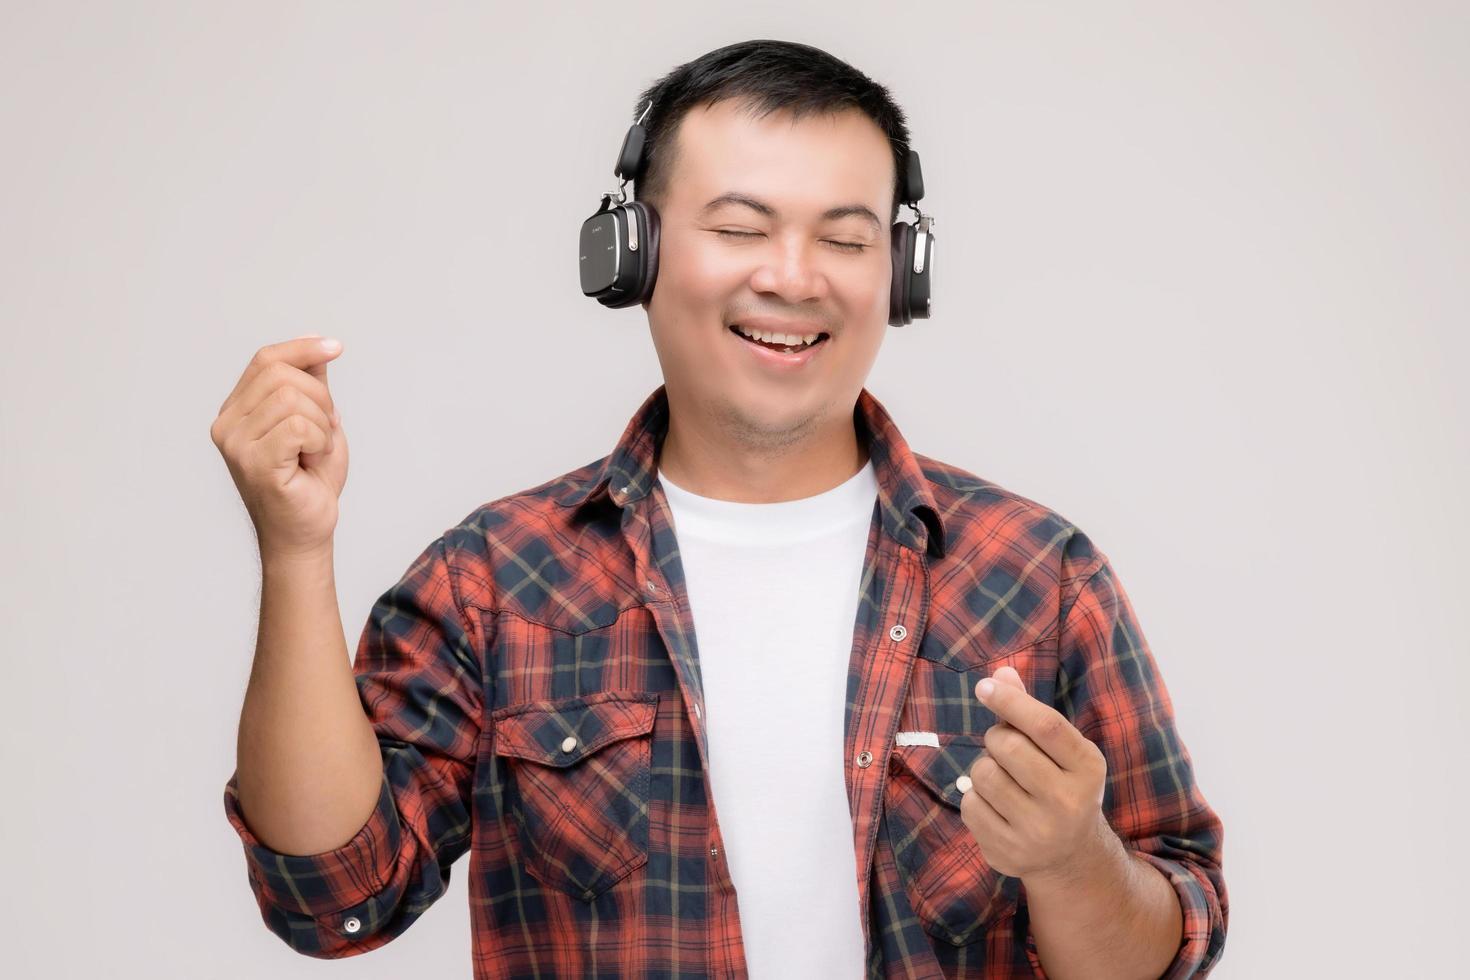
{"x":577,"y":773}
{"x":954,"y":892}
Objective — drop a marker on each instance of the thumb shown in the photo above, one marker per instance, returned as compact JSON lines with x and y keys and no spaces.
{"x":1009,"y":675}
{"x":318,"y":369}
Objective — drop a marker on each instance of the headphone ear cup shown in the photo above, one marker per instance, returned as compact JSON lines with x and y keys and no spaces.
{"x":902,"y":250}
{"x":648,"y":259}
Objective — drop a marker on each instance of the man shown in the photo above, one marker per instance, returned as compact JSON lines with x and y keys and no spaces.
{"x":716,"y":704}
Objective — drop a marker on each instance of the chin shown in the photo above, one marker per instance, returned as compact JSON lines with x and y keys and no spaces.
{"x":758,"y":414}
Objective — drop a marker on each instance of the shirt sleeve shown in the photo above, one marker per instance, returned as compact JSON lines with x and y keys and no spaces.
{"x":1110,"y":688}
{"x":419,"y":679}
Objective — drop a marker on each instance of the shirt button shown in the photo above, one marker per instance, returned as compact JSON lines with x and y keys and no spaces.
{"x":650,"y":586}
{"x":624,"y":490}
{"x":352,"y":924}
{"x":898,"y":632}
{"x":963,"y":784}
{"x":714,"y":852}
{"x":864,"y":759}
{"x":569,"y":743}
{"x":696,"y":710}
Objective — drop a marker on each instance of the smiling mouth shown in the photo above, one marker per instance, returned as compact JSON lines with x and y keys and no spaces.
{"x":781,"y":348}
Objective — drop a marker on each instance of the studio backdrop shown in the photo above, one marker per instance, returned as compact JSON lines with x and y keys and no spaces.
{"x":1202,"y":291}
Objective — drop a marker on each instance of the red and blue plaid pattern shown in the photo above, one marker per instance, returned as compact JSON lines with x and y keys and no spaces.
{"x":534,"y":683}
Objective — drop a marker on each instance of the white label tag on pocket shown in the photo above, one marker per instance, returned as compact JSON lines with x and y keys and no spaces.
{"x":916,"y":738}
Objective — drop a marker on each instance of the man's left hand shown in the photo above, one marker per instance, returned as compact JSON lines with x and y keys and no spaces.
{"x":1035,"y":801}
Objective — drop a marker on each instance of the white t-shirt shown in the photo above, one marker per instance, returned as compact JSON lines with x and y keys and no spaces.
{"x":773,"y":589}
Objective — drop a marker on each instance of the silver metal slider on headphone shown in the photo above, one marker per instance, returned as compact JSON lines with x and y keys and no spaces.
{"x":921,"y":243}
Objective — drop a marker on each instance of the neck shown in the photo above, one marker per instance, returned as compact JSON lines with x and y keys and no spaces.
{"x":706,"y":460}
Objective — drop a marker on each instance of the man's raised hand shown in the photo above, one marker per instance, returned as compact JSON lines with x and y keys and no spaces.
{"x":1034,"y":799}
{"x":283,"y":442}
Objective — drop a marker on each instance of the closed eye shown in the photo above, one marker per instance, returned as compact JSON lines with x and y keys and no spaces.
{"x":841,"y":246}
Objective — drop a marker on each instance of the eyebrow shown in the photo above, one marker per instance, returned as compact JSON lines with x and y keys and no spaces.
{"x":831,"y":214}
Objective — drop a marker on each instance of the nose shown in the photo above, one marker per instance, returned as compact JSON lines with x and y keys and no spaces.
{"x":790,"y":271}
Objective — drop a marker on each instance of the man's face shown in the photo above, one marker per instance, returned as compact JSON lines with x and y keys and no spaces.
{"x":795,"y":271}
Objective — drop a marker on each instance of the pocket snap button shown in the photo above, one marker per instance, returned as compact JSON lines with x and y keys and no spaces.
{"x":569,"y":743}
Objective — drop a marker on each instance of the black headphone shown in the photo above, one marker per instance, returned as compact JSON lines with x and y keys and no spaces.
{"x":619,"y":243}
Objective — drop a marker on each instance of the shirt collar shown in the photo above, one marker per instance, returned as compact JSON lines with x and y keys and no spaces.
{"x":906,"y":505}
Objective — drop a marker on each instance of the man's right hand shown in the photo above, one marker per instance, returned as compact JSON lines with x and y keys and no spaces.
{"x":284,"y":445}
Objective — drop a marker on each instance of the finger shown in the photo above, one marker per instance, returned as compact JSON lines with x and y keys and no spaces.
{"x":983,"y":820}
{"x":273,"y":378}
{"x":1012,"y":749}
{"x":283,"y":445}
{"x":301,"y":352}
{"x":1005,"y":675}
{"x":318,"y":370}
{"x":1046,"y":726}
{"x":278,"y":406}
{"x":1009,"y":675}
{"x":991,"y":781}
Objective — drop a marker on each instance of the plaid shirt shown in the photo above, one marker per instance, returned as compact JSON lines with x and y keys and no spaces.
{"x":535,"y":687}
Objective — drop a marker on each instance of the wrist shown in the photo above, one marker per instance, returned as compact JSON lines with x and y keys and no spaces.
{"x":313,"y":562}
{"x":1097,"y":860}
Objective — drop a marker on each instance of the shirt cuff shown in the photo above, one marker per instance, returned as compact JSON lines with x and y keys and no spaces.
{"x":321,"y":884}
{"x":1204,"y":927}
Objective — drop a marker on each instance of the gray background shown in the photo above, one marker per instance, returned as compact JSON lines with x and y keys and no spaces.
{"x":1202,"y":290}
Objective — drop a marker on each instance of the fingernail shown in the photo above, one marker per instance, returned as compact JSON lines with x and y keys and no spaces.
{"x":331,"y":343}
{"x":986,"y":686}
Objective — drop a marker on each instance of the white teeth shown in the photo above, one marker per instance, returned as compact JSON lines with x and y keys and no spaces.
{"x":789,"y":339}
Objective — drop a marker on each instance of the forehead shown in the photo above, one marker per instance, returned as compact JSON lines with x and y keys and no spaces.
{"x":807,"y":163}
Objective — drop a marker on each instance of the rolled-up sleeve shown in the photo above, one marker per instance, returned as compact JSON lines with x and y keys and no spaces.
{"x":1111,"y":689}
{"x":337,"y":891}
{"x":418,"y":677}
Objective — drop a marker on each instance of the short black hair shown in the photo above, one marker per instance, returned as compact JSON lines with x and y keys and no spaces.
{"x":766,"y":76}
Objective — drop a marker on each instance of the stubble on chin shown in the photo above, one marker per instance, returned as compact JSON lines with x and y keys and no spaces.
{"x":746,"y":430}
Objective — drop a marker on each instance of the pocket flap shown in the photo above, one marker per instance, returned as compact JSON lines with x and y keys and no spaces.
{"x":539,"y":730}
{"x":938,"y":767}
